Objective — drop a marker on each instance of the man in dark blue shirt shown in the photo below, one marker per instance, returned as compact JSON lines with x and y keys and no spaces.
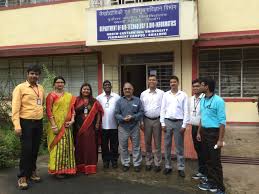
{"x":128,"y":112}
{"x":211,"y":134}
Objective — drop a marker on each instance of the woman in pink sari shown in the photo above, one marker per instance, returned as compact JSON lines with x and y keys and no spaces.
{"x":86,"y":126}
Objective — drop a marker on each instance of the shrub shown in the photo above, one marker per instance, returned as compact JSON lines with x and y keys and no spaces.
{"x":9,"y":148}
{"x":47,"y":83}
{"x":9,"y":143}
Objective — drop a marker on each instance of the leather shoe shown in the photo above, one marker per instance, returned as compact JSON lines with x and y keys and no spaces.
{"x":148,"y":167}
{"x":181,"y":173}
{"x":125,"y":168}
{"x":157,"y":168}
{"x":167,"y":171}
{"x":137,"y":168}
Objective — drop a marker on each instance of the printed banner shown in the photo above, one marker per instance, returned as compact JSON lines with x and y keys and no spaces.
{"x":138,"y":22}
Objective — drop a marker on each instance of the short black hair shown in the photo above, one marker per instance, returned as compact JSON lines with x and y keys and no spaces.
{"x":208,"y":81}
{"x":152,"y":75}
{"x":35,"y":68}
{"x":196,"y":81}
{"x":175,"y":77}
{"x":58,"y":77}
{"x":107,"y":81}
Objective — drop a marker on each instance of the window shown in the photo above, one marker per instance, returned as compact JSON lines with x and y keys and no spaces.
{"x":11,"y":3}
{"x":101,"y":3}
{"x":236,"y":71}
{"x":76,"y":69}
{"x":163,"y":73}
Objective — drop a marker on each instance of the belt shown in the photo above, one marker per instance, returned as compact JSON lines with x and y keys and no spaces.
{"x":31,"y":120}
{"x":152,"y":118}
{"x":174,"y":120}
{"x":211,"y":128}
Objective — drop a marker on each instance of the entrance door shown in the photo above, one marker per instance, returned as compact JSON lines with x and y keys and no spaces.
{"x":136,"y":67}
{"x":135,"y":74}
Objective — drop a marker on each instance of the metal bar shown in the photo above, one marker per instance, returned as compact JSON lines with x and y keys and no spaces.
{"x":242,"y":66}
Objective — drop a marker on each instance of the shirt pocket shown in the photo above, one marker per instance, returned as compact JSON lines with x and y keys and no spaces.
{"x":134,"y":108}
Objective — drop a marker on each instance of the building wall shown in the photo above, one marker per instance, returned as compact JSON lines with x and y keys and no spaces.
{"x":53,"y":23}
{"x":226,"y":16}
{"x":69,"y":22}
{"x":215,"y":16}
{"x":242,"y":112}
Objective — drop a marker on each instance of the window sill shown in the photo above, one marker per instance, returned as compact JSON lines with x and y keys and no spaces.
{"x":240,"y":100}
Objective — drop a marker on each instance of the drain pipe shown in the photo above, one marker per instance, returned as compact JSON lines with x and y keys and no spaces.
{"x":181,"y":55}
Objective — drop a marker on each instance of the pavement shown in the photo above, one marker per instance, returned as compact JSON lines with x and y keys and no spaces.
{"x":238,"y":178}
{"x":115,"y":181}
{"x":108,"y":181}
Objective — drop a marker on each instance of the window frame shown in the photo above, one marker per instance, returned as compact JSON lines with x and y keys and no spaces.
{"x":219,"y":61}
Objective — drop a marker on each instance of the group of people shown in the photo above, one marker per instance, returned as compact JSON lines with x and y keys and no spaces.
{"x":72,"y":129}
{"x":77,"y":125}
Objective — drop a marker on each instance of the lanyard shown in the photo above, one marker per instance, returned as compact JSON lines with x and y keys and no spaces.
{"x":108,"y":99}
{"x":196,"y":104}
{"x":36,"y":92}
{"x":208,"y":106}
{"x":198,"y":101}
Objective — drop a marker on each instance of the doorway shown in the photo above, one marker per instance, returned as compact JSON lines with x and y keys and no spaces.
{"x":135,"y":68}
{"x":136,"y":75}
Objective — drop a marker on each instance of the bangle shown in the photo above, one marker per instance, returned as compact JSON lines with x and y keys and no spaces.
{"x":54,"y":127}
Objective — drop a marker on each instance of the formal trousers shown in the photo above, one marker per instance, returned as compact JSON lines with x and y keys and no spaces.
{"x":134,"y":136}
{"x":152,"y":128}
{"x":30,"y":142}
{"x":209,"y":137}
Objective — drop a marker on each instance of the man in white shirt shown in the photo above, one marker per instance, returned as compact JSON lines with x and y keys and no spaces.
{"x":151,"y":100}
{"x":174,"y":117}
{"x":195,"y":117}
{"x":108,"y":101}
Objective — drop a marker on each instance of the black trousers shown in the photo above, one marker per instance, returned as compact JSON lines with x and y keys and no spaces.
{"x":212,"y":156}
{"x":30,"y":143}
{"x":199,"y":150}
{"x":110,"y":145}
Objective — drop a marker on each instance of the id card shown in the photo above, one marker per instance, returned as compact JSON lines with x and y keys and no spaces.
{"x":194,"y":113}
{"x":38,"y":101}
{"x":85,"y":110}
{"x":106,"y":105}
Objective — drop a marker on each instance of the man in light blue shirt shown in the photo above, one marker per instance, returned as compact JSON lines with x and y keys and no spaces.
{"x":211,"y":134}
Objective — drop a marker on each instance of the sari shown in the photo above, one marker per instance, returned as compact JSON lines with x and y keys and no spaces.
{"x":60,"y":146}
{"x":85,"y":135}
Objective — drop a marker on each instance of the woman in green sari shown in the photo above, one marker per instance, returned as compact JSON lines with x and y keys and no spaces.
{"x":60,"y":112}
